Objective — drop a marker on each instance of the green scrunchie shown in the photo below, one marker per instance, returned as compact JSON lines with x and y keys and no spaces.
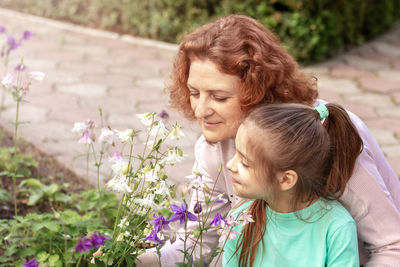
{"x":322,"y":111}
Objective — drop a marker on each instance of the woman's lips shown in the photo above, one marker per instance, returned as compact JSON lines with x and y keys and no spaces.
{"x":210,"y":124}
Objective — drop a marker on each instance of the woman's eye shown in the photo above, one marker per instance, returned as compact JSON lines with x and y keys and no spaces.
{"x":193,"y":94}
{"x":220,"y":99}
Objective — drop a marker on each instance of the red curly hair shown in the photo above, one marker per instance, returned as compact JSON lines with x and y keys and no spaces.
{"x":241,"y":46}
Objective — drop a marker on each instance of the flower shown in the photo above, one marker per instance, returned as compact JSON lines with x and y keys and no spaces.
{"x":7,"y":80}
{"x":196,"y":180}
{"x":12,"y":44}
{"x":197,"y":207}
{"x":2,"y":29}
{"x":27,"y":35}
{"x":177,"y":133}
{"x":173,"y":156}
{"x":123,"y":223}
{"x":163,"y":114}
{"x":152,"y":237}
{"x":220,"y":199}
{"x":182,"y":214}
{"x":231,"y":221}
{"x":85,"y":139}
{"x":20,"y":67}
{"x":84,"y":244}
{"x":163,"y":188}
{"x":37,"y":75}
{"x":33,"y":262}
{"x":146,"y":118}
{"x":80,"y":127}
{"x":125,"y":136}
{"x":228,"y":233}
{"x":120,"y":167}
{"x":218,"y":220}
{"x":158,"y":130}
{"x":247,"y":218}
{"x":107,"y":136}
{"x":148,"y":201}
{"x":120,"y":184}
{"x":97,"y":239}
{"x":117,"y":157}
{"x":160,"y":223}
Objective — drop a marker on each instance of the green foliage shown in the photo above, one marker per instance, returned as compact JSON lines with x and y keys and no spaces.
{"x":39,"y":192}
{"x":312,"y":30}
{"x":15,"y":164}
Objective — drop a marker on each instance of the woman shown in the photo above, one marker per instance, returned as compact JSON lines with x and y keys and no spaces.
{"x":226,"y":68}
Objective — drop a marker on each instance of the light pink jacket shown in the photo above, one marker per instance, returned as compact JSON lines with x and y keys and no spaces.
{"x":372,"y":197}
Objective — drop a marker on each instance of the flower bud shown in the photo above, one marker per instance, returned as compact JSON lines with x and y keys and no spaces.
{"x":197,"y":207}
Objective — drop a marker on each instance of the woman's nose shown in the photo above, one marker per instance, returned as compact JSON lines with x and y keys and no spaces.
{"x":203,"y":109}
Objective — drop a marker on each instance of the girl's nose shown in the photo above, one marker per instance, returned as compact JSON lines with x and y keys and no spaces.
{"x":230,"y":165}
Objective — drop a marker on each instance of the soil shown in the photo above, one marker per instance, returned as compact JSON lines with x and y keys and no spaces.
{"x":49,"y":171}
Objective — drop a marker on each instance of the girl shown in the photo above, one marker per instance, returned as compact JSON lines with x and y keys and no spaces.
{"x":294,"y":167}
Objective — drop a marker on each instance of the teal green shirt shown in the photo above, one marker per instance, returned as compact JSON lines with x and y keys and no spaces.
{"x":325,"y":235}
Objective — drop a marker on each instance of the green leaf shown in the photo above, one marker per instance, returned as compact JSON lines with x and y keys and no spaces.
{"x":42,"y":256}
{"x":35,"y":183}
{"x":54,"y":260}
{"x":35,"y":197}
{"x":52,"y":226}
{"x":36,"y":227}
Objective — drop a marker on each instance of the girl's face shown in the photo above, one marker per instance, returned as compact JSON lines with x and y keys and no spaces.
{"x":245,"y":182}
{"x":214,"y":100}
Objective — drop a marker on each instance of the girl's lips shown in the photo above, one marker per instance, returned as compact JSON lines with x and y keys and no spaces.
{"x":234,"y":181}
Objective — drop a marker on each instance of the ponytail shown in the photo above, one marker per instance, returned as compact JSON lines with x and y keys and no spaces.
{"x":346,"y":146}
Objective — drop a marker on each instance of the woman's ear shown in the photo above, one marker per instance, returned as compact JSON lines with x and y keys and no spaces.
{"x":287,"y":180}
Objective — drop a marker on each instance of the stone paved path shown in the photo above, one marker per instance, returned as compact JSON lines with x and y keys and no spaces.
{"x":86,"y":68}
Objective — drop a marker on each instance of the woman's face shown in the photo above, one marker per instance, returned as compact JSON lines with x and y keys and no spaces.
{"x":214,"y":100}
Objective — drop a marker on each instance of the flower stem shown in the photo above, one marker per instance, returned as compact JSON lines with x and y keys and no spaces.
{"x":15,"y":194}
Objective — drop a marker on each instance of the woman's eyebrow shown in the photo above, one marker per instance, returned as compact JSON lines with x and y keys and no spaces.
{"x":210,"y":90}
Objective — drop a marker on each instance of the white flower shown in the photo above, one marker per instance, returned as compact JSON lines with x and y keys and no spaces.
{"x":119,"y":184}
{"x":125,"y":136}
{"x":85,"y":139}
{"x":123,"y":223}
{"x":196,"y":180}
{"x":246,"y":218}
{"x":177,"y":133}
{"x":163,"y":188}
{"x":80,"y":128}
{"x":148,"y":201}
{"x":37,"y":75}
{"x":227,"y":233}
{"x":107,"y":136}
{"x":152,"y":175}
{"x":231,"y":221}
{"x":7,"y":80}
{"x":119,"y":166}
{"x":146,"y":118}
{"x":158,"y":130}
{"x":173,"y":156}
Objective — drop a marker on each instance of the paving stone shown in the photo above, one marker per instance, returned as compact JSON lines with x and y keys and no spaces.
{"x":379,"y":85}
{"x":393,"y":112}
{"x":371,"y":99}
{"x":63,"y":77}
{"x":57,"y":101}
{"x":387,"y":49}
{"x":27,"y":113}
{"x":387,"y":124}
{"x":83,"y":89}
{"x":391,"y":150}
{"x":384,"y":137}
{"x":346,"y":71}
{"x":329,"y":96}
{"x":361,"y":110}
{"x":341,"y":86}
{"x":317,"y":70}
{"x":392,"y":75}
{"x":396,"y":97}
{"x":115,"y":80}
{"x":82,"y":67}
{"x":365,"y":64}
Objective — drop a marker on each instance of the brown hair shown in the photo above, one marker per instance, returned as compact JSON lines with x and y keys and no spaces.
{"x":241,"y":46}
{"x":322,"y":155}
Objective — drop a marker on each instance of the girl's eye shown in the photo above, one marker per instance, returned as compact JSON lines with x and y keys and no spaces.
{"x":244,"y":164}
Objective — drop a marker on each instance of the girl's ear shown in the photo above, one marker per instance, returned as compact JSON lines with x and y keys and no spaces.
{"x":287,"y":180}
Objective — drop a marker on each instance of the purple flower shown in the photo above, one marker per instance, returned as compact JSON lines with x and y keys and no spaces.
{"x":83,"y":245}
{"x":27,"y":35}
{"x":160,"y":223}
{"x":182,"y":214}
{"x":197,"y":207}
{"x":12,"y":44}
{"x":20,"y":67}
{"x":218,"y":220}
{"x":152,"y":237}
{"x":32,"y":263}
{"x":2,"y":29}
{"x":97,"y":239}
{"x":163,"y":114}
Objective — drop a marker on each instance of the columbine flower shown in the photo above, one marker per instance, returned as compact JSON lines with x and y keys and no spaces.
{"x":119,"y":167}
{"x":158,"y":130}
{"x":151,"y":175}
{"x":246,"y":218}
{"x":146,"y":118}
{"x":163,"y":114}
{"x":148,"y":201}
{"x":182,"y":214}
{"x":117,"y":156}
{"x":231,"y":221}
{"x":152,"y":237}
{"x":197,"y":207}
{"x":2,"y":29}
{"x":174,"y":155}
{"x":97,"y":239}
{"x":120,"y":184}
{"x":32,"y":263}
{"x":7,"y":81}
{"x":80,"y":127}
{"x":220,"y":199}
{"x":107,"y":136}
{"x":176,"y":132}
{"x":228,"y":233}
{"x":27,"y":35}
{"x":85,"y":139}
{"x":163,"y":188}
{"x":12,"y":44}
{"x":218,"y":220}
{"x":160,"y":223}
{"x":37,"y":75}
{"x":84,"y":244}
{"x":196,"y":180}
{"x":125,"y":136}
{"x":20,"y":67}
{"x":123,"y":223}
